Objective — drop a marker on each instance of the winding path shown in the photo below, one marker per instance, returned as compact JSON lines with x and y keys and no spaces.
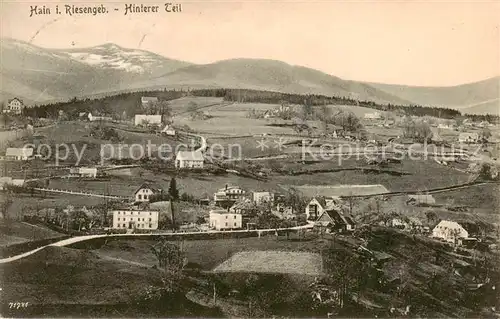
{"x":78,"y":239}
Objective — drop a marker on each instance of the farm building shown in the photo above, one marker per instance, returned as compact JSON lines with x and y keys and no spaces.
{"x":221,"y":220}
{"x":468,"y":137}
{"x":318,"y":206}
{"x":135,"y":219}
{"x":373,"y":116}
{"x":168,"y":130}
{"x":334,"y":220}
{"x":89,"y":172}
{"x":421,"y":200}
{"x":94,"y":118}
{"x":145,"y":120}
{"x":19,"y":153}
{"x":145,"y":191}
{"x":450,"y":231}
{"x":14,"y":106}
{"x":243,"y":207}
{"x":189,"y":159}
{"x":146,"y":100}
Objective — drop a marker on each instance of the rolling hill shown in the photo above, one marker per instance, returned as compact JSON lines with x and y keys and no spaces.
{"x":42,"y":75}
{"x":37,"y":74}
{"x":478,"y":97}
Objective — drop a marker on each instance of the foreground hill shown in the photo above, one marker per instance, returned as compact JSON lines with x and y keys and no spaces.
{"x":477,"y":98}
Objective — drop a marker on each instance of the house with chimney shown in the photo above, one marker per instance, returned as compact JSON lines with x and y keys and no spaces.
{"x":318,"y":206}
{"x":333,"y":219}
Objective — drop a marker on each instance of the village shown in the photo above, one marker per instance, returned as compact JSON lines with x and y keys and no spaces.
{"x":301,"y":175}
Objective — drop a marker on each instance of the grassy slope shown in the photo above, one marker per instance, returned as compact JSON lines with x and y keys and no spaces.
{"x":14,"y":232}
{"x":65,"y":275}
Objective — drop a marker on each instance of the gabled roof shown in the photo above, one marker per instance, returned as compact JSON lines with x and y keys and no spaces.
{"x":338,"y":217}
{"x":154,"y":188}
{"x":189,"y":156}
{"x":22,"y":151}
{"x":15,"y":99}
{"x":449,"y":224}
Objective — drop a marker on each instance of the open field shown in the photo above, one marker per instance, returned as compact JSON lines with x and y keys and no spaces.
{"x":15,"y":232}
{"x":206,"y":254}
{"x":26,"y":204}
{"x":273,"y":262}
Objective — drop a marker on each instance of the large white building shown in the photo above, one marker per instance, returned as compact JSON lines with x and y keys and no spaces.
{"x":450,"y":231}
{"x":232,"y":193}
{"x":222,"y":220}
{"x":14,"y":106}
{"x":135,"y":219}
{"x":142,"y":119}
{"x":189,"y":159}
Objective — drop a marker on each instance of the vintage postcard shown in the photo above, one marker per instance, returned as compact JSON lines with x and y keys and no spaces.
{"x":247,"y":158}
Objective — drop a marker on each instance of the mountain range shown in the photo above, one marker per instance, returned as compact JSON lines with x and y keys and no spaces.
{"x":40,"y":75}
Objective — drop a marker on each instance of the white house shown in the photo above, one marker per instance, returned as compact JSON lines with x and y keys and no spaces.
{"x":145,"y":100}
{"x":449,"y":231}
{"x":145,"y":191}
{"x":262,"y":197}
{"x":468,"y":137}
{"x":19,"y":154}
{"x":189,"y":159}
{"x":318,"y":205}
{"x":373,"y":116}
{"x":141,"y":119}
{"x":135,"y":219}
{"x":168,"y":130}
{"x":89,"y":172}
{"x":14,"y":106}
{"x":229,"y":193}
{"x":221,"y":220}
{"x":93,"y":118}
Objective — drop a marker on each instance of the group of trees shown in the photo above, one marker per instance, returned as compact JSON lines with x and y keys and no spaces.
{"x":419,"y":131}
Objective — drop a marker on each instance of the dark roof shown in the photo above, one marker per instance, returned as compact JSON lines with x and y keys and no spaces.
{"x":338,"y":217}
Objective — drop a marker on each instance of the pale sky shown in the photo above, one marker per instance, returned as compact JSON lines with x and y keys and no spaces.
{"x":426,"y":43}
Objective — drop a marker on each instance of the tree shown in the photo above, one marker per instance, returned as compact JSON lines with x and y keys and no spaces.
{"x":348,"y":121}
{"x":485,"y":135}
{"x":171,"y":263}
{"x":431,"y":217}
{"x":172,"y":189}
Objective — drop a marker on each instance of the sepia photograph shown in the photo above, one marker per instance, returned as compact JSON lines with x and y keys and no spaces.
{"x":249,"y":159}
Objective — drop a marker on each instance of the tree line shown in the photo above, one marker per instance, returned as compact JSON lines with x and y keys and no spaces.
{"x":129,"y":103}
